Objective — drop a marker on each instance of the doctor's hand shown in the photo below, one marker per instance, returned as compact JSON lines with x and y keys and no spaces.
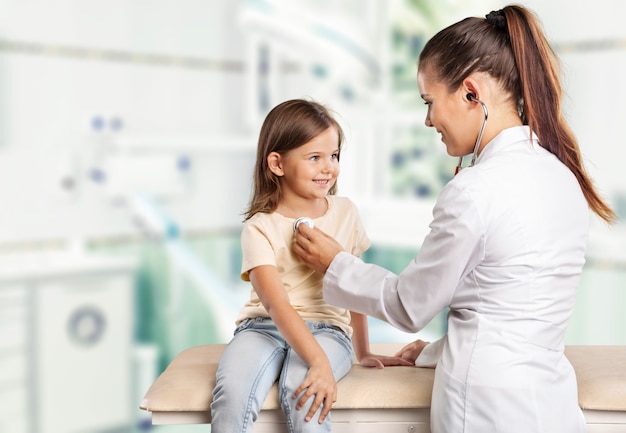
{"x":381,"y":361}
{"x":411,"y":351}
{"x":315,"y":247}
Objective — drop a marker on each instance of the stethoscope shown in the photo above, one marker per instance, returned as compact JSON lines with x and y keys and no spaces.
{"x":471,"y":97}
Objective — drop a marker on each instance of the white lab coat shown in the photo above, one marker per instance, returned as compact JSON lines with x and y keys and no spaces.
{"x":505,"y":253}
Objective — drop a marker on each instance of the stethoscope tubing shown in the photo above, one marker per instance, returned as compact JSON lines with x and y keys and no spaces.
{"x":478,"y":139}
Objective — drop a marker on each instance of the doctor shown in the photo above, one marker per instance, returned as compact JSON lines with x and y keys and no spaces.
{"x":507,"y":241}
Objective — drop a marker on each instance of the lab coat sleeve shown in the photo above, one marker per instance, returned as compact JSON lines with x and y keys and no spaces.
{"x":410,"y":300}
{"x":431,"y":353}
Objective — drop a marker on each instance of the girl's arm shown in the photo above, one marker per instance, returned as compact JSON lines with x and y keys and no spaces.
{"x":360,"y":341}
{"x":319,"y":382}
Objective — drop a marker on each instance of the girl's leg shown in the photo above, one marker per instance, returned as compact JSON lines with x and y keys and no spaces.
{"x":246,"y":372}
{"x":338,"y":348}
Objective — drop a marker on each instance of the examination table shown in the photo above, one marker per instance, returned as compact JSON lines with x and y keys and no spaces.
{"x":390,"y":400}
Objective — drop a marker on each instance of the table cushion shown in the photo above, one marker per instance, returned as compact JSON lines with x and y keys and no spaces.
{"x":186,"y":384}
{"x":601,"y":376}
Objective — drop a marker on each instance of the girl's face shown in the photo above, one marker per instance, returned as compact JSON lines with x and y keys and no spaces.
{"x":448,"y":114}
{"x":309,"y":171}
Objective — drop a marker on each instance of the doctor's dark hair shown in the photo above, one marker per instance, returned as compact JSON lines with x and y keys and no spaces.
{"x":287,"y":126}
{"x":511,"y":47}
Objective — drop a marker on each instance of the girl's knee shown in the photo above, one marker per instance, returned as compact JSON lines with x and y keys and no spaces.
{"x":299,"y":425}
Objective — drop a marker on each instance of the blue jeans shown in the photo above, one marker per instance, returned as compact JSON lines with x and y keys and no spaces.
{"x":255,"y":359}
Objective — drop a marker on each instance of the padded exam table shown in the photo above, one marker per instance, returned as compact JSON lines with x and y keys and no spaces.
{"x":390,"y":400}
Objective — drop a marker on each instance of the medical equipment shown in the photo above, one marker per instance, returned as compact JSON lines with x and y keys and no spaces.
{"x":303,"y":220}
{"x":66,"y":329}
{"x":471,"y":97}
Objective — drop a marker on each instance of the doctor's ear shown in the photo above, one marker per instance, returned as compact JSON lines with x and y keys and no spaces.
{"x":275,"y":163}
{"x":469,"y":87}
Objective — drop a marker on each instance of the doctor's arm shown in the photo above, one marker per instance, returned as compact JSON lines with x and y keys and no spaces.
{"x":318,"y":250}
{"x":422,"y":353}
{"x":408,"y":301}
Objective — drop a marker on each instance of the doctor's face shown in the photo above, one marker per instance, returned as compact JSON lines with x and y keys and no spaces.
{"x":447,"y":113}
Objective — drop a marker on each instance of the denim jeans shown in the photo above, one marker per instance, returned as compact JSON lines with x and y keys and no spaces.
{"x":254,"y":360}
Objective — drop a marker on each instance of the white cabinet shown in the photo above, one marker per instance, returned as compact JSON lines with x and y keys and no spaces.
{"x":66,"y":333}
{"x":14,"y":349}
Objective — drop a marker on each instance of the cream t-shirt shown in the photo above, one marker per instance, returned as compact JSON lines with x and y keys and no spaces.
{"x":267,"y":239}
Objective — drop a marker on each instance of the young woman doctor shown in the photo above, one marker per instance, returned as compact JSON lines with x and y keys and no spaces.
{"x":507,"y":241}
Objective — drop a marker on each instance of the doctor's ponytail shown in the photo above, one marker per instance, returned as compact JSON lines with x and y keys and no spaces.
{"x":541,"y":95}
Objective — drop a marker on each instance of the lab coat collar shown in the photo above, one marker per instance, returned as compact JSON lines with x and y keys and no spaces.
{"x":506,"y":138}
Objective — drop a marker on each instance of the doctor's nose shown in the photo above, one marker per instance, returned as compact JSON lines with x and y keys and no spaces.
{"x":427,"y":121}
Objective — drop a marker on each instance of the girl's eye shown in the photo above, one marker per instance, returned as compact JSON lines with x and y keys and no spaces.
{"x":315,"y":158}
{"x":335,"y":156}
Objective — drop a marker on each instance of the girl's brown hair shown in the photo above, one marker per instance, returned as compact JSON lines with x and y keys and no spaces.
{"x":510,"y":46}
{"x":287,"y":126}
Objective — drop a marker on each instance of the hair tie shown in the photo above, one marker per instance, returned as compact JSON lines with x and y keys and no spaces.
{"x":497,"y":19}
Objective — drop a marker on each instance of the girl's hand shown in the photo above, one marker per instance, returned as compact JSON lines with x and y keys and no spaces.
{"x":411,"y":351}
{"x":321,"y":385}
{"x":380,"y":361}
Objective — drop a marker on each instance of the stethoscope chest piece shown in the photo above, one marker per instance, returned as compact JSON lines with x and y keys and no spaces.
{"x":303,"y":220}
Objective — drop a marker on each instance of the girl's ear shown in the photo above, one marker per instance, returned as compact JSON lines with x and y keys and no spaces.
{"x":275,"y":163}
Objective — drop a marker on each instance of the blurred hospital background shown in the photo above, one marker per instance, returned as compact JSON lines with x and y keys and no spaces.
{"x":128,"y":131}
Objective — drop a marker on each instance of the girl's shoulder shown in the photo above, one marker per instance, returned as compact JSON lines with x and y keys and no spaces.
{"x":341,"y":207}
{"x":260,"y":221}
{"x":340,"y":202}
{"x":262,"y":216}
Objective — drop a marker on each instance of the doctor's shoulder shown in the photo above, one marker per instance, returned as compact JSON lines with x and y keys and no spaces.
{"x":471,"y":188}
{"x":467,"y":180}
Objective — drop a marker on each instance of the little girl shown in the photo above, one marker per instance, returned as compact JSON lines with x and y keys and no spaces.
{"x":287,"y":331}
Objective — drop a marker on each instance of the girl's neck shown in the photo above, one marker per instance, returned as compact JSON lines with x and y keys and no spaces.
{"x":311,"y":208}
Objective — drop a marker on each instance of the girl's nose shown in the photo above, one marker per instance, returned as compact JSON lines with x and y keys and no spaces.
{"x":328,"y":166}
